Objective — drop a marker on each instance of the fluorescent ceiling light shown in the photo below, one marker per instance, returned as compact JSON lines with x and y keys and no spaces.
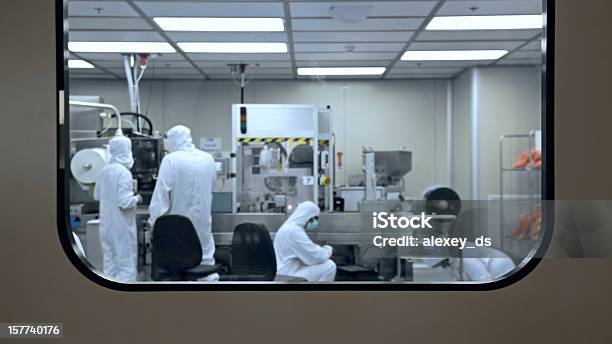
{"x":79,"y":64}
{"x":232,"y":47}
{"x":341,"y":71}
{"x":511,"y":22}
{"x":453,"y":55}
{"x":220,"y":24}
{"x":120,"y":47}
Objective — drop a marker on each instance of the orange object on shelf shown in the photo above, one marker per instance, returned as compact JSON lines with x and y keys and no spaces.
{"x":522,"y":229}
{"x":536,"y":160}
{"x":522,"y":160}
{"x":529,"y":225}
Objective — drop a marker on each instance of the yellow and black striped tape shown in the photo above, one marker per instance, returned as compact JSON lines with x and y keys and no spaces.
{"x":278,"y":139}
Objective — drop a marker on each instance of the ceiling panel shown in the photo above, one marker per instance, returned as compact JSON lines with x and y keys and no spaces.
{"x":90,"y":76}
{"x":197,"y":76}
{"x":93,"y":23}
{"x":379,"y":8}
{"x":262,"y":64}
{"x":427,"y":64}
{"x":211,"y":9}
{"x":507,"y":45}
{"x":266,"y":71}
{"x":521,"y":62}
{"x":368,"y":24}
{"x":419,"y":76}
{"x":355,"y":47}
{"x":239,"y":57}
{"x":354,"y":63}
{"x":87,"y":71}
{"x":344,"y":56}
{"x":161,"y":71}
{"x":447,"y":70}
{"x":491,"y":7}
{"x":118,"y":57}
{"x":115,"y":36}
{"x":319,"y":40}
{"x":100,"y":8}
{"x":228,"y":36}
{"x":263,"y":77}
{"x":477,"y":35}
{"x":535,"y":45}
{"x":374,"y":36}
{"x":153,"y":64}
{"x":525,"y":55}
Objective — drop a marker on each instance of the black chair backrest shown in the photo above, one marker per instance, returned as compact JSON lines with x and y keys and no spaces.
{"x":176,"y":245}
{"x":253,"y":251}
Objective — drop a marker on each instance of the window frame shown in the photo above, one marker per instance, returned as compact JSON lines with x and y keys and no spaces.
{"x":63,"y":192}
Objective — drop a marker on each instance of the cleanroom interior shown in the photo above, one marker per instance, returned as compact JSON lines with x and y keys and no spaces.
{"x":451,"y":114}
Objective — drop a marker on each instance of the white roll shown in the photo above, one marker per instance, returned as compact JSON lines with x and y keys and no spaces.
{"x":86,"y":164}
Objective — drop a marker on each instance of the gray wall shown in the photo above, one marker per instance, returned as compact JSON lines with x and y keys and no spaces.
{"x":507,"y":100}
{"x":509,"y":103}
{"x":384,"y":115}
{"x":461,"y":133}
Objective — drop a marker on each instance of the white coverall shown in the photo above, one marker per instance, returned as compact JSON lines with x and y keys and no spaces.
{"x":296,"y":254}
{"x":184,"y":187}
{"x":483,"y":264}
{"x":114,"y":190}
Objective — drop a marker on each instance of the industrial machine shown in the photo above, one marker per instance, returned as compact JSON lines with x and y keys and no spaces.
{"x":382,"y":178}
{"x":284,"y":156}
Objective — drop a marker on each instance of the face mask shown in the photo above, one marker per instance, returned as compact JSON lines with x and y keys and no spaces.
{"x":312,"y":225}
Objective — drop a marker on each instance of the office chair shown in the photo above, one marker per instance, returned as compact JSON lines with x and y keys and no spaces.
{"x":177,"y":252}
{"x":252,"y":254}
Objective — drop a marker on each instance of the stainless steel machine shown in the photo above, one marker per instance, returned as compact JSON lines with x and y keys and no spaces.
{"x":284,"y":156}
{"x":382,"y":178}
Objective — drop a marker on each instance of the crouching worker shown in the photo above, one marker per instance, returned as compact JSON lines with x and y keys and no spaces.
{"x":296,"y":254}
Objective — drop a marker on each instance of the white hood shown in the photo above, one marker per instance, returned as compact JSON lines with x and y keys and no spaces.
{"x":120,"y":149}
{"x":179,"y":138}
{"x":304,"y":212}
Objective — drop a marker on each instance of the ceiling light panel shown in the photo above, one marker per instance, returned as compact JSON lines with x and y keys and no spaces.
{"x":233,"y":47}
{"x":373,"y":24}
{"x":478,"y":35}
{"x":453,"y":55}
{"x":505,"y":22}
{"x":79,"y":64}
{"x":338,"y":71}
{"x":178,"y":36}
{"x":120,"y":47}
{"x":221,"y":24}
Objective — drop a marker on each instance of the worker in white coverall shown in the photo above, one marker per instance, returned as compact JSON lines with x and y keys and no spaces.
{"x":296,"y":254}
{"x":184,"y":187}
{"x":115,"y":191}
{"x":482,"y":264}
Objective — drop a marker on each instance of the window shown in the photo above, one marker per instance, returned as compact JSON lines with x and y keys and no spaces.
{"x":363,"y":145}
